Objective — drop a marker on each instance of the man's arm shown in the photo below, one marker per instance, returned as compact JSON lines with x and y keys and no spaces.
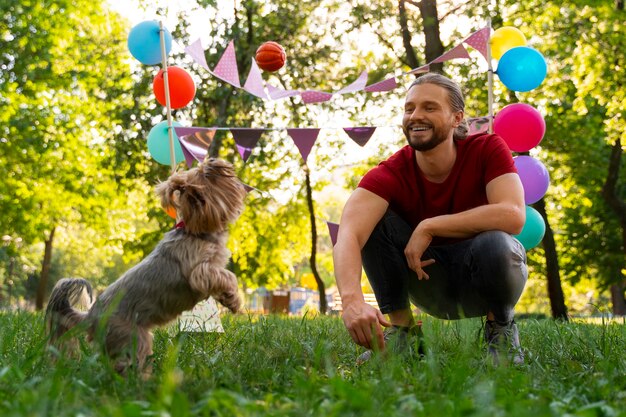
{"x":505,"y":211}
{"x":361,"y":213}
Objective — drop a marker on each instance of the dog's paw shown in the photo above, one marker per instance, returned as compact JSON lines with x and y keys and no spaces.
{"x":230,"y":300}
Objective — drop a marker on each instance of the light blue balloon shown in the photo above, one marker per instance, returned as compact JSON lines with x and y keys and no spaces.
{"x":533,"y":230}
{"x":522,"y":68}
{"x":159,"y":144}
{"x":144,"y":42}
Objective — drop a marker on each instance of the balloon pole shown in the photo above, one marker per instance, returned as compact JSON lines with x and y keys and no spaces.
{"x":489,"y":79}
{"x":168,"y":106}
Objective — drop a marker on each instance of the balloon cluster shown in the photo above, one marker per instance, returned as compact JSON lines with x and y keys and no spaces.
{"x":144,"y":43}
{"x":521,"y":68}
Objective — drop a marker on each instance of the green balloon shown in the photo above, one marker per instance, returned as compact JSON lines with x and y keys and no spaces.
{"x":533,"y":230}
{"x":159,"y":143}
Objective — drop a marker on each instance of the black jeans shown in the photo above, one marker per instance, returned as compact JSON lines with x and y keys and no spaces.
{"x":468,"y":279}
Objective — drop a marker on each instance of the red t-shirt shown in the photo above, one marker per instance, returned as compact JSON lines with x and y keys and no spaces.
{"x":479,"y":159}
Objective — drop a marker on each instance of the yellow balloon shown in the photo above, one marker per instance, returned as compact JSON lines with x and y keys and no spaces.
{"x":505,"y":38}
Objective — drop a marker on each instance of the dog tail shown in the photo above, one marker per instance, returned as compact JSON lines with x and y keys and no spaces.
{"x":61,"y":315}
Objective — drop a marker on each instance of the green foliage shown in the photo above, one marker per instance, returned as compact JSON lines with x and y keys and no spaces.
{"x":278,"y":366}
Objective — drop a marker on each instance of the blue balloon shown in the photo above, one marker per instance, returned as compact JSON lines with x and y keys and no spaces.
{"x":522,"y":68}
{"x":533,"y":230}
{"x":159,"y":144}
{"x":144,"y":42}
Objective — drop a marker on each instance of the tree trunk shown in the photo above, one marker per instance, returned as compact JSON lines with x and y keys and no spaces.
{"x":45,"y":271}
{"x":555,"y":291}
{"x":430,"y":22}
{"x":411,"y":57}
{"x":320,"y":284}
{"x":609,"y":193}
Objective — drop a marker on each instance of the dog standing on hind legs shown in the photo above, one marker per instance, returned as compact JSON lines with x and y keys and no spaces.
{"x":186,"y":267}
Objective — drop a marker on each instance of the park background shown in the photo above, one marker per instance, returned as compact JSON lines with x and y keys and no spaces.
{"x":77,"y":183}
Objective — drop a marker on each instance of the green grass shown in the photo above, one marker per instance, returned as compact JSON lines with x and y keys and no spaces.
{"x":276,"y":366}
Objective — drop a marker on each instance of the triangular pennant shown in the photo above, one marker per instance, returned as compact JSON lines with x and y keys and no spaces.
{"x":361,"y":135}
{"x":196,"y":145}
{"x":458,"y":51}
{"x":478,"y":40}
{"x":226,"y":68}
{"x":304,"y":138}
{"x":246,"y":138}
{"x":196,"y":51}
{"x":384,"y":85}
{"x":276,"y":93}
{"x":357,"y":85}
{"x":333,"y":231}
{"x":254,"y":82}
{"x":310,"y":96}
{"x":419,"y":70}
{"x":244,"y":152}
{"x":478,"y":125}
{"x":247,"y":187}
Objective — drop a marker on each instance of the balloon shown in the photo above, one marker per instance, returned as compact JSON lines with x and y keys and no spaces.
{"x":171,"y":211}
{"x":144,"y":42}
{"x":182,"y":87}
{"x":522,"y":68}
{"x":159,"y":144}
{"x":533,"y":230}
{"x":270,"y":56}
{"x":505,"y":38}
{"x":534,"y":176}
{"x":520,"y":125}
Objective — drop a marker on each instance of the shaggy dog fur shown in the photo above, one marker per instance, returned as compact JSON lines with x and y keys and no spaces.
{"x":186,"y":267}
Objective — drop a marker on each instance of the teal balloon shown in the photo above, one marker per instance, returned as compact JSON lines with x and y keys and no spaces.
{"x":533,"y":230}
{"x":144,"y":42}
{"x":522,"y":68}
{"x":159,"y":144}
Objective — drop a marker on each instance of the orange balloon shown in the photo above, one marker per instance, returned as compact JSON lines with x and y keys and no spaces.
{"x":182,"y":87}
{"x":171,"y":211}
{"x":270,"y":56}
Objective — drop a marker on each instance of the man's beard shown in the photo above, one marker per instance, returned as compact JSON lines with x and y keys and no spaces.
{"x":438,"y":136}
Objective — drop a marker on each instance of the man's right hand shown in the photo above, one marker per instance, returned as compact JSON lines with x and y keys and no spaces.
{"x":364,"y":324}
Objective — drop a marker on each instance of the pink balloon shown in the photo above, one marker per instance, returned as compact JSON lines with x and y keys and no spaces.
{"x":534,"y":176}
{"x":520,"y":125}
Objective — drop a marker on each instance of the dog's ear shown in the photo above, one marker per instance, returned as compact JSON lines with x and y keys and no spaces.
{"x":170,"y":190}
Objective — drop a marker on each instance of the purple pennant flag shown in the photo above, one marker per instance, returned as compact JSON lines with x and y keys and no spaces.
{"x":361,"y":135}
{"x":357,"y":85}
{"x":478,"y":125}
{"x":310,"y":96}
{"x":246,"y":138}
{"x":478,"y":40}
{"x":226,"y":68}
{"x":304,"y":139}
{"x":458,"y":51}
{"x":381,"y":86}
{"x":195,"y":143}
{"x":244,"y":152}
{"x":419,"y":70}
{"x":197,"y":53}
{"x":276,"y":93}
{"x":254,"y":82}
{"x":333,"y":230}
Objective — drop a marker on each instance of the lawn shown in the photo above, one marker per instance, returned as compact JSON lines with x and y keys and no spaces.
{"x":279,"y":366}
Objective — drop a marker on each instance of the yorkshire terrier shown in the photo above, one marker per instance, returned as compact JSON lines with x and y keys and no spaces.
{"x":186,"y":267}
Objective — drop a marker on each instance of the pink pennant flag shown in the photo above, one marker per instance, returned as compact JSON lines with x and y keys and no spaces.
{"x":478,"y":125}
{"x":311,"y":96}
{"x":244,"y":152}
{"x":357,"y":85}
{"x":361,"y":135}
{"x":196,"y":51}
{"x":458,"y":51}
{"x":304,"y":138}
{"x":276,"y":93}
{"x":226,"y":68}
{"x":478,"y":40}
{"x":248,"y":188}
{"x":246,"y":138}
{"x":254,"y":82}
{"x":333,"y":230}
{"x":381,"y":86}
{"x":419,"y":70}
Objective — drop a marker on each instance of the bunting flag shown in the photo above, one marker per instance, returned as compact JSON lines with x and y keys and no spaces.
{"x":197,"y":53}
{"x":276,"y":93}
{"x":246,"y":138}
{"x":420,"y":70}
{"x":333,"y":230}
{"x":311,"y":96}
{"x":457,"y":52}
{"x":226,"y":68}
{"x":254,"y":82}
{"x":195,"y":143}
{"x":244,"y":152}
{"x":361,"y":135}
{"x":357,"y":85}
{"x":304,"y":138}
{"x":478,"y":40}
{"x":382,"y":86}
{"x":478,"y":125}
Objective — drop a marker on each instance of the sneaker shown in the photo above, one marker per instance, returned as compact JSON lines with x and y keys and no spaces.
{"x":503,"y":338}
{"x":399,"y":340}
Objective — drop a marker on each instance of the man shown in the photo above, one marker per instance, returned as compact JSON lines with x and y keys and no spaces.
{"x":433,"y":225}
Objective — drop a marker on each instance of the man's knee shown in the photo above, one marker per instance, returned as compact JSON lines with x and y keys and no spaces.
{"x":498,"y":246}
